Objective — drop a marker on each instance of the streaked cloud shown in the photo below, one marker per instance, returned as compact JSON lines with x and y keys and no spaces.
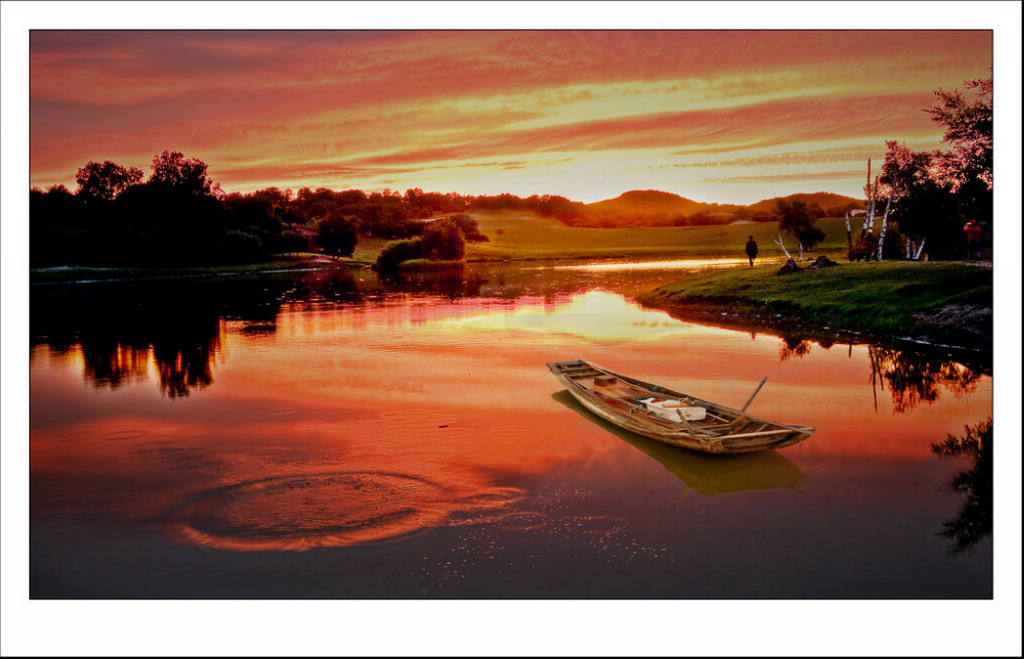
{"x":586,"y":114}
{"x":783,"y":178}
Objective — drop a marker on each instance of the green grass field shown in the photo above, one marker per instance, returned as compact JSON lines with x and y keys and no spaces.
{"x":523,"y":236}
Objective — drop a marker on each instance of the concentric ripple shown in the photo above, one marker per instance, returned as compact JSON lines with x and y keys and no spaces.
{"x":331,"y":510}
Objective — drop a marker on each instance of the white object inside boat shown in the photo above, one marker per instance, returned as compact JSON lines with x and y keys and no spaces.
{"x":673,"y":410}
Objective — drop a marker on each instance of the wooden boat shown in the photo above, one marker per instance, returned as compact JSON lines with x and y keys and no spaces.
{"x":703,"y":473}
{"x":672,"y":417}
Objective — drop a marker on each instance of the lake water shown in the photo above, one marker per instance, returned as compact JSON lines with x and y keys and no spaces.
{"x":327,"y":435}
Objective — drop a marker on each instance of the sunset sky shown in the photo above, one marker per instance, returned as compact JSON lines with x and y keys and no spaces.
{"x":730,"y":114}
{"x":717,"y":116}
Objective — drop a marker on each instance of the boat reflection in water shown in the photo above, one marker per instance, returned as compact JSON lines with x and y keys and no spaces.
{"x":706,"y":474}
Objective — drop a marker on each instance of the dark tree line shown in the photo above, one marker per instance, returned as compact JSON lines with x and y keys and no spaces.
{"x":179,"y":216}
{"x":115,"y":217}
{"x":545,"y":205}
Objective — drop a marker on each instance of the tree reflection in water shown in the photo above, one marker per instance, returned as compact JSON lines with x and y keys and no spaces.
{"x":111,"y":363}
{"x":974,"y":521}
{"x":124,"y":330}
{"x":451,"y":284}
{"x":178,"y":327}
{"x":913,"y":377}
{"x":184,"y":357}
{"x":916,"y":377}
{"x":793,"y":348}
{"x":181,"y":337}
{"x":185,"y":364}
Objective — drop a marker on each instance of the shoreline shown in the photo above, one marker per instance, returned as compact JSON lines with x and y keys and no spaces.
{"x":727,"y":298}
{"x":75,"y":274}
{"x":854,"y":303}
{"x":795,"y":328}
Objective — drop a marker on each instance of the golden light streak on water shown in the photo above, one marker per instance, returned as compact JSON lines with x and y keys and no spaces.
{"x":679,"y":264}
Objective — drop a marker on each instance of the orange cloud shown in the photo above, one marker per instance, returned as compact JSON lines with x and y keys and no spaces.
{"x":350,"y":109}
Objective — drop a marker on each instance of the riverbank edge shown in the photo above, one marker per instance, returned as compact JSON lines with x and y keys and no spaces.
{"x":971,"y":333}
{"x":74,"y":274}
{"x":961,"y":328}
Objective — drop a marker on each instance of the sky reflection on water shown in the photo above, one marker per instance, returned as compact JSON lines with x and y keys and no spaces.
{"x":681,"y":264}
{"x":330,"y":415}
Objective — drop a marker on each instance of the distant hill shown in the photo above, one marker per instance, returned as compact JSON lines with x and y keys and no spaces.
{"x":653,"y":201}
{"x":648,"y":202}
{"x":656,"y":208}
{"x":826,"y":200}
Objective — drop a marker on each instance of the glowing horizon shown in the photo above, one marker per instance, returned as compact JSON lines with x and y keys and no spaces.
{"x":715,"y":116}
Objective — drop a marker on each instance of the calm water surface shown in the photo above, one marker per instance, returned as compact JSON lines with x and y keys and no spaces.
{"x":328,"y":435}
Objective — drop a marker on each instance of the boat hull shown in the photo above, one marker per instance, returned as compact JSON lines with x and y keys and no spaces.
{"x":627,"y":402}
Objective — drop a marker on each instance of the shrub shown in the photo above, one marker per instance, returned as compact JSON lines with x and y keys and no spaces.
{"x":443,"y":241}
{"x":397,"y":251}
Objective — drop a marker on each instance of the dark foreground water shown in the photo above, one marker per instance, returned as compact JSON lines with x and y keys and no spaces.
{"x":325,"y":435}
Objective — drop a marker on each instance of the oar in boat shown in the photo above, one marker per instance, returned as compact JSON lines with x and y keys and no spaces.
{"x":756,"y":391}
{"x":775,"y":423}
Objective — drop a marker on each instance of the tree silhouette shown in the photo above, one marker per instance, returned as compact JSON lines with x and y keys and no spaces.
{"x":923,"y":206}
{"x":105,"y":181}
{"x":338,"y":235}
{"x":968,"y":124}
{"x":172,"y":169}
{"x":798,"y":221}
{"x":935,"y":192}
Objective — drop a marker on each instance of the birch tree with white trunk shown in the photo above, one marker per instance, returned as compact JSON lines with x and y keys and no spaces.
{"x":782,"y":245}
{"x":881,"y":233}
{"x":796,"y":220}
{"x":849,"y":234}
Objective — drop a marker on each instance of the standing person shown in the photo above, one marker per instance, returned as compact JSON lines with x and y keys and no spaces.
{"x":751,"y":250}
{"x":973,"y":232}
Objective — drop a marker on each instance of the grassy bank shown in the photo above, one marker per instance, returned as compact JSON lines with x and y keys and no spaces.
{"x":940,"y":303}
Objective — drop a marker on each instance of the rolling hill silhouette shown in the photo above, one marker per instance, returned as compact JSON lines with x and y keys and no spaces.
{"x":826,"y":200}
{"x":653,"y":201}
